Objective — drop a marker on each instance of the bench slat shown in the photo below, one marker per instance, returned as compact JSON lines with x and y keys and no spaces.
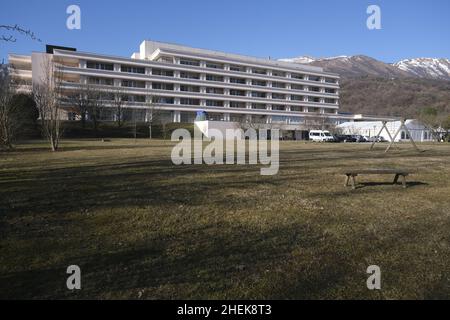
{"x":378,"y":171}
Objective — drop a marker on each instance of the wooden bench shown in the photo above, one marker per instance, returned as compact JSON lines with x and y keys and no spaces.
{"x":351,"y":174}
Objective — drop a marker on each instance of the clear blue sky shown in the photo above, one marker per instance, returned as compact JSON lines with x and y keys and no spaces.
{"x":278,"y":29}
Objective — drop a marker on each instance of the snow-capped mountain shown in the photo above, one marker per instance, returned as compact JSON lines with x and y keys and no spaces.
{"x":426,"y":67}
{"x":352,"y":66}
{"x":360,"y":65}
{"x":303,"y":59}
{"x":309,"y":59}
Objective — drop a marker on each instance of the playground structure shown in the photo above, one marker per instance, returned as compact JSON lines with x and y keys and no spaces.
{"x":392,"y":138}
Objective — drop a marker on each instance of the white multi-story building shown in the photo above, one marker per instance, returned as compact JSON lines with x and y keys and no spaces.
{"x":180,"y":81}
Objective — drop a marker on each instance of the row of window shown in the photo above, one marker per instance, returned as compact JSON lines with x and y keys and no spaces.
{"x":132,"y":69}
{"x":124,"y":97}
{"x":211,"y":65}
{"x":133,"y":84}
{"x":237,"y":104}
{"x":101,"y":81}
{"x":238,"y":68}
{"x":189,"y":88}
{"x":243,"y":81}
{"x":235,"y":92}
{"x":209,"y":103}
{"x":217,"y":78}
{"x":123,"y":83}
{"x":209,"y":90}
{"x":193,"y":101}
{"x":110,"y":67}
{"x":215,"y":103}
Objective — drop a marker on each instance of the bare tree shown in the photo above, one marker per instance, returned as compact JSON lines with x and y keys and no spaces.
{"x":434,"y":119}
{"x":118,"y":101}
{"x":96,"y":103}
{"x":8,"y":31}
{"x":335,"y":129}
{"x":254,"y":122}
{"x":246,"y":122}
{"x":164,"y":123}
{"x":150,"y":120}
{"x":315,"y":122}
{"x":8,"y":110}
{"x":154,"y":116}
{"x":79,"y":99}
{"x":259,"y":122}
{"x":47,"y":95}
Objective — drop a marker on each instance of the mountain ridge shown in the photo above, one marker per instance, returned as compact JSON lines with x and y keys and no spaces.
{"x":362,"y":65}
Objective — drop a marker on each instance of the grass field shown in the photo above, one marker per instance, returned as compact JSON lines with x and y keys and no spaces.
{"x":140,"y":227}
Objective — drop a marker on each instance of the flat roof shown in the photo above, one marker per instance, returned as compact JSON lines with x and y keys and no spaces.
{"x":153,"y":46}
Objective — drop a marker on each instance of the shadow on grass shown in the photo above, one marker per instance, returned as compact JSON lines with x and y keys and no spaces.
{"x":214,"y":262}
{"x":97,"y":147}
{"x":158,"y":182}
{"x":409,"y":184}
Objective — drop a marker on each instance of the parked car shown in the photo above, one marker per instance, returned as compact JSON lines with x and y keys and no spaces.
{"x":344,"y":138}
{"x":320,"y":136}
{"x":358,"y":138}
{"x":377,"y":139}
{"x":349,"y":138}
{"x":381,"y":139}
{"x":339,"y":138}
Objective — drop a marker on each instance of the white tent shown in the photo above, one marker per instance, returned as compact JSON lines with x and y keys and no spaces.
{"x":418,"y":131}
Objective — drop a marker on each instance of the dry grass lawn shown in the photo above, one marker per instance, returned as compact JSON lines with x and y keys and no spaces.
{"x":140,"y":227}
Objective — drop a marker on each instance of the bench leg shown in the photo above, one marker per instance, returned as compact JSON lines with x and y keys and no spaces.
{"x":404,"y":181}
{"x":353,"y":183}
{"x":396,"y":179}
{"x":347,"y":179}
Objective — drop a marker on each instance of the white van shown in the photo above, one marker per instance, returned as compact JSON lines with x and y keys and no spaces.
{"x":320,"y":135}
